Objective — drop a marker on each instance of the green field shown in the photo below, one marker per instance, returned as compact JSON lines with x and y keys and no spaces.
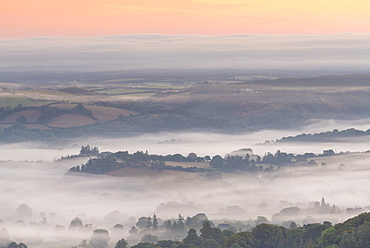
{"x":14,"y":101}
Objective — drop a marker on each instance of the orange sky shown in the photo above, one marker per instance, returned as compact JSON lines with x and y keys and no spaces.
{"x":33,"y":18}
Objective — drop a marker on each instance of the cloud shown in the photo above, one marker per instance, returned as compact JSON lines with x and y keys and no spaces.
{"x":342,"y":51}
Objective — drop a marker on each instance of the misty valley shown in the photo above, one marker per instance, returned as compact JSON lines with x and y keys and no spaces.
{"x":184,"y":159}
{"x":184,"y":124}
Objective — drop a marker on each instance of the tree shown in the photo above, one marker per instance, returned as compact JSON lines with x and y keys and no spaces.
{"x":168,"y":244}
{"x":261,"y":219}
{"x":43,"y":119}
{"x":22,"y":119}
{"x":83,"y":244}
{"x":121,"y":244}
{"x":218,"y":236}
{"x":359,"y":238}
{"x":210,"y":243}
{"x":155,"y":222}
{"x":24,"y":211}
{"x":269,"y":236}
{"x":149,"y":238}
{"x":15,"y":245}
{"x":206,"y":231}
{"x":242,"y":239}
{"x":144,"y":245}
{"x":133,"y":231}
{"x":76,"y":223}
{"x":217,"y":162}
{"x":192,"y":238}
{"x":149,"y":223}
{"x":99,"y":238}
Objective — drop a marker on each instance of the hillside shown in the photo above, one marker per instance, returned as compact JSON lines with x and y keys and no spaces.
{"x":279,"y":103}
{"x":117,"y":104}
{"x":113,"y":120}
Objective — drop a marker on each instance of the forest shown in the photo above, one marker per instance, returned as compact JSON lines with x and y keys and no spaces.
{"x":199,"y":232}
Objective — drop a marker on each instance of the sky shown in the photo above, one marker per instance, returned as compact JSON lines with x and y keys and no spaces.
{"x":86,"y":18}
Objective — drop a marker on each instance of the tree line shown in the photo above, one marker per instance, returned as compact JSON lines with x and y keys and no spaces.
{"x":352,"y":233}
{"x":107,"y":161}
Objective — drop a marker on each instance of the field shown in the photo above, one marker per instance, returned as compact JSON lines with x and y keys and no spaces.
{"x":252,"y":77}
{"x":70,"y":120}
{"x":123,"y":80}
{"x":257,"y":104}
{"x":50,"y":95}
{"x":36,"y":126}
{"x":2,"y":126}
{"x":67,"y":120}
{"x":99,"y":112}
{"x":106,"y":113}
{"x":119,"y":91}
{"x":13,"y":101}
{"x":134,"y":172}
{"x":348,"y":159}
{"x":189,"y":164}
{"x":64,"y":105}
{"x":133,"y":97}
{"x":31,"y":115}
{"x":42,"y":93}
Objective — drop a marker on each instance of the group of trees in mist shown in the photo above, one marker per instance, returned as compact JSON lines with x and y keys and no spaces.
{"x":15,"y":245}
{"x":352,"y":233}
{"x":107,"y":161}
{"x":324,"y":136}
{"x":112,"y":161}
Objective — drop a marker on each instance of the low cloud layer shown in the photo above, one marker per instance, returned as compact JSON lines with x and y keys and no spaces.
{"x":341,"y":51}
{"x":53,"y":199}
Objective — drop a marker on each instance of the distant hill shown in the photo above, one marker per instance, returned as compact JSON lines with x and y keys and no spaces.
{"x":117,"y":104}
{"x":58,"y":121}
{"x":278,"y":103}
{"x":328,"y":136}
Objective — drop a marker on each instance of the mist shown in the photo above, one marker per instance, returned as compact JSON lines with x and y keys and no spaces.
{"x":32,"y":174}
{"x":340,"y":51}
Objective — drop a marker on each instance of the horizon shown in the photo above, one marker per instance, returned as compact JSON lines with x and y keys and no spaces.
{"x":147,"y":51}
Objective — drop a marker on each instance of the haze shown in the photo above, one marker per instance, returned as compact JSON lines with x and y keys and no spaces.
{"x":347,"y":52}
{"x":44,"y":187}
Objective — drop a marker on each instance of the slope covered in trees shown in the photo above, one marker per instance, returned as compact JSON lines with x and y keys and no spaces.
{"x":351,"y":233}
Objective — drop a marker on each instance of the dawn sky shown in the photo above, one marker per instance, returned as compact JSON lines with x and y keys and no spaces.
{"x":79,"y":18}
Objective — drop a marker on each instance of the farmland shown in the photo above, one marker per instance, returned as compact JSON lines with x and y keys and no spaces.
{"x":70,"y":120}
{"x":14,"y":100}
